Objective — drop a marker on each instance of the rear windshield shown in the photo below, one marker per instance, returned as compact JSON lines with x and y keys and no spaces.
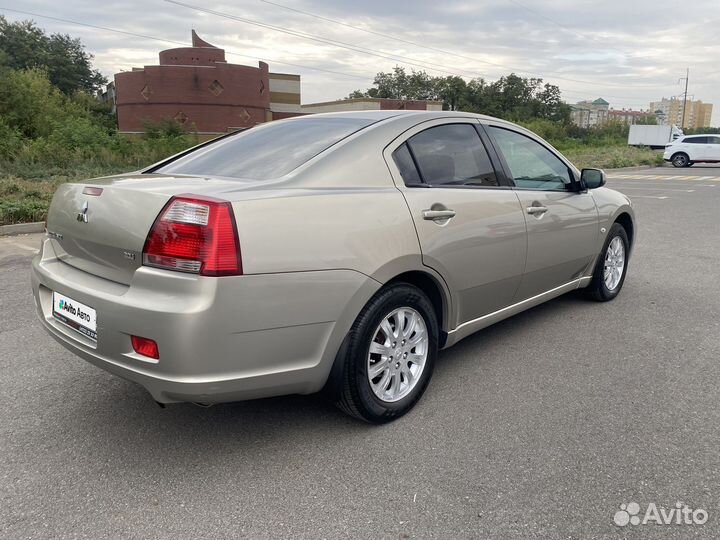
{"x":268,"y":151}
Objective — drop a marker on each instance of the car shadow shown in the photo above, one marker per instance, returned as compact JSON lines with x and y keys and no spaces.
{"x":122,"y":414}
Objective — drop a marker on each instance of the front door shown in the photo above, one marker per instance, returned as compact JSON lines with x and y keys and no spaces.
{"x":562,"y":224}
{"x":471,"y":227}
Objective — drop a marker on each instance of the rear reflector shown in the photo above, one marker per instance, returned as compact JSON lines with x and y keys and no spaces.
{"x":145,"y":347}
{"x":195,"y":234}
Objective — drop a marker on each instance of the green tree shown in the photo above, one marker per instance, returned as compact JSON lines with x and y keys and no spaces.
{"x":511,"y":97}
{"x":451,"y":90}
{"x":25,"y":46}
{"x":648,"y":120}
{"x":400,"y":85}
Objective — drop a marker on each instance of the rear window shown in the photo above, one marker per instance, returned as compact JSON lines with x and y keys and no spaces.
{"x":268,"y":151}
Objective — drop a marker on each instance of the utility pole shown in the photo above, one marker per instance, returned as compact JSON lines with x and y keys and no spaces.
{"x":687,"y":78}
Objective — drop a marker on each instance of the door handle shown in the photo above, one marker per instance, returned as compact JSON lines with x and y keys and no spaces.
{"x":438,"y":215}
{"x":536,"y":209}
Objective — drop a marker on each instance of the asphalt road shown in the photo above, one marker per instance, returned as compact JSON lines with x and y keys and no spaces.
{"x":540,"y":426}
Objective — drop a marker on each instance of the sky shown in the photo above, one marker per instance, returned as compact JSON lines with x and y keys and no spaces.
{"x":629,"y":52}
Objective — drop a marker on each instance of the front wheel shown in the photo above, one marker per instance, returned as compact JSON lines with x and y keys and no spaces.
{"x":387,"y":358}
{"x":680,"y":160}
{"x":609,"y":274}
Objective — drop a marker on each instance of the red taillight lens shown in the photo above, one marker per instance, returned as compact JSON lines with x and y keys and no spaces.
{"x":195,"y":234}
{"x":146,"y":347}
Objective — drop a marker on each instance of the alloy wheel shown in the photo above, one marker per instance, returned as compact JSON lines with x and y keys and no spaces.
{"x":398,"y":354}
{"x":680,"y":160}
{"x":614,"y":263}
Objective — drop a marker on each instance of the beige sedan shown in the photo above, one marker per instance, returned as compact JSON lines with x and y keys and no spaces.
{"x":332,"y":252}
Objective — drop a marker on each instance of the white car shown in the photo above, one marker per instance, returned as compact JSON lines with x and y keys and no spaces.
{"x":691,"y":149}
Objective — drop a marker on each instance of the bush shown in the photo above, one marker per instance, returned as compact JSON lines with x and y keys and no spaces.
{"x":10,"y":140}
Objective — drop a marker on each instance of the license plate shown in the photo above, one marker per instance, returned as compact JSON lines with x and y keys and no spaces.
{"x":75,"y":314}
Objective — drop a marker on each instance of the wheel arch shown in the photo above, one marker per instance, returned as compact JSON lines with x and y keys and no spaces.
{"x":626,"y":221}
{"x":680,"y":153}
{"x":431,"y":286}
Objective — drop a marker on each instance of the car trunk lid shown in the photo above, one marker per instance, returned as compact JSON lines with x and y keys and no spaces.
{"x":103,"y":232}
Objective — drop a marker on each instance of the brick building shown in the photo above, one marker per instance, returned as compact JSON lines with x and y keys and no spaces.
{"x":587,"y":114}
{"x":196,"y":86}
{"x":629,"y":117}
{"x":698,"y":114}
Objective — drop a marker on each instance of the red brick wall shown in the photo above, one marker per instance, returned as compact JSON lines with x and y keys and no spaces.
{"x":188,"y":56}
{"x":240,"y":100}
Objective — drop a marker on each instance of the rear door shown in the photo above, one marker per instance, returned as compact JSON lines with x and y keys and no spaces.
{"x":562,"y":224}
{"x":469,"y":222}
{"x":714,"y":143}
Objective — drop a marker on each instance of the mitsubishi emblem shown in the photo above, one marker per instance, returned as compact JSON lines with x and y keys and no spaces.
{"x":82,"y":216}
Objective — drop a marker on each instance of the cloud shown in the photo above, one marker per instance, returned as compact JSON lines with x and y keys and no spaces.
{"x":630,"y":53}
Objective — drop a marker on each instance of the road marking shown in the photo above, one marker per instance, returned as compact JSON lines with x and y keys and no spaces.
{"x":676,"y":184}
{"x":662,"y":179}
{"x":649,"y":197}
{"x":665,"y":177}
{"x":659,"y":189}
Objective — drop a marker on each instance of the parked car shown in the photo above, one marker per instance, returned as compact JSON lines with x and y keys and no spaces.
{"x":334,"y":252}
{"x":691,"y":149}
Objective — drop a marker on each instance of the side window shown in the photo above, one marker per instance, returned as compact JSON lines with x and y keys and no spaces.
{"x":714,"y":140}
{"x":532,"y":165}
{"x":696,"y":140}
{"x":452,"y":155}
{"x":405,"y":163}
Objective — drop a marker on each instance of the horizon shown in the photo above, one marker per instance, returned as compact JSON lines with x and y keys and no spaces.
{"x":338,"y":47}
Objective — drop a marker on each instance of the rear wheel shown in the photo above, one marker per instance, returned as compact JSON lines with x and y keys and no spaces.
{"x":680,"y":160}
{"x":609,"y":274}
{"x":387,"y":358}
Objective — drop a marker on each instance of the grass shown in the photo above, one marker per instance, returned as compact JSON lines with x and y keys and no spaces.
{"x":612,"y":157}
{"x":26,"y":198}
{"x":26,"y":188}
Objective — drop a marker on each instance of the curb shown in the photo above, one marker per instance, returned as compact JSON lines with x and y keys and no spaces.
{"x":22,"y":228}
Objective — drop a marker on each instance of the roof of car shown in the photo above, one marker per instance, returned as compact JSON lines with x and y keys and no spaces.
{"x":385,"y":114}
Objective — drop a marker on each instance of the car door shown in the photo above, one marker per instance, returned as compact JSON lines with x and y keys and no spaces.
{"x":469,"y":222}
{"x":714,"y":144}
{"x":562,"y":223}
{"x":698,"y":148}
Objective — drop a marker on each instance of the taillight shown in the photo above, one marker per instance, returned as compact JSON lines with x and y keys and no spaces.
{"x":195,"y":234}
{"x":145,"y":347}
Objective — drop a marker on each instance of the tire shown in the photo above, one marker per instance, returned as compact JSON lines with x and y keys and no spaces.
{"x":350,"y":386}
{"x":601,"y":288}
{"x":680,"y":159}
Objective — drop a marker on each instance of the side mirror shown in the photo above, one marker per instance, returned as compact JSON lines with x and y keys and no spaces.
{"x":592,"y":178}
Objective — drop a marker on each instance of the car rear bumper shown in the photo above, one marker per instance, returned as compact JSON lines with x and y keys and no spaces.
{"x":220,"y":339}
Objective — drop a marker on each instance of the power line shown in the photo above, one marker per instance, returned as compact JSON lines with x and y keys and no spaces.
{"x":327,"y":41}
{"x":174,"y":42}
{"x":184,"y":44}
{"x":443,"y":51}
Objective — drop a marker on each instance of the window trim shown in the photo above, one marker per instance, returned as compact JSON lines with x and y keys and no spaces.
{"x":472,"y":122}
{"x":574,"y":187}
